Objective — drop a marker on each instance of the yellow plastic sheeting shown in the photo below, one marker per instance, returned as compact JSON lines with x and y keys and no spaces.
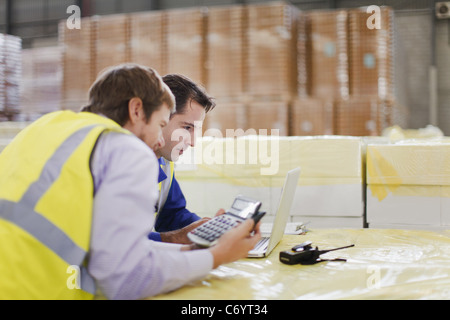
{"x":410,"y":163}
{"x":324,"y":160}
{"x":398,"y":133}
{"x":384,"y":264}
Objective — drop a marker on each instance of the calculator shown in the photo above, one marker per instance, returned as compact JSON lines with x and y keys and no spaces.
{"x":243,"y":208}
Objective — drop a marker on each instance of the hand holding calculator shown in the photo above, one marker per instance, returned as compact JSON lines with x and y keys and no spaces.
{"x":243,"y":208}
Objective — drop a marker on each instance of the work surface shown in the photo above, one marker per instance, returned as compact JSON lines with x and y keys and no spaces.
{"x":384,"y":264}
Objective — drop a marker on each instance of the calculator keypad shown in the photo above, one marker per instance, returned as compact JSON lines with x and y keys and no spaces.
{"x":215,"y":227}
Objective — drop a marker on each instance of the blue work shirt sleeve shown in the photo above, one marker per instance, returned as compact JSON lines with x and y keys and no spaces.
{"x":174,"y":214}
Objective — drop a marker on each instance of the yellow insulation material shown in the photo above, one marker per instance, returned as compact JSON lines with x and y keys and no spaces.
{"x":412,"y":163}
{"x":324,"y":160}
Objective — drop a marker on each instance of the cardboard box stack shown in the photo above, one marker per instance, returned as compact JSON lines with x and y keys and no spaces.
{"x":77,"y":47}
{"x":226,"y":45}
{"x":312,"y":116}
{"x":112,"y":36}
{"x":371,"y":72}
{"x":186,"y":43}
{"x":362,"y":116}
{"x":271,"y":57}
{"x":147,"y":39}
{"x":316,"y":65}
{"x":343,"y":61}
{"x":271,"y":79}
{"x":263,"y":116}
{"x":41,"y":81}
{"x":369,"y":108}
{"x":329,"y":70}
{"x":252,"y":63}
{"x":10,"y":73}
{"x":323,"y":71}
{"x":408,"y":184}
{"x":231,"y":116}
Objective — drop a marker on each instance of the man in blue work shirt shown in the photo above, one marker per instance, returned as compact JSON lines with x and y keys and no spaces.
{"x":173,"y":220}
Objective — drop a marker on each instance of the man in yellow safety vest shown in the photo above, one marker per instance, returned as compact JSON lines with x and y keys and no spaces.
{"x":75,"y":193}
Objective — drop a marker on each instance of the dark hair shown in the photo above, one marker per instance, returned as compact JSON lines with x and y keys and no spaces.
{"x":116,"y":86}
{"x":185,"y":90}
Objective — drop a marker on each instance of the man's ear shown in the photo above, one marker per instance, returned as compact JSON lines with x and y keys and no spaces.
{"x":135,"y":110}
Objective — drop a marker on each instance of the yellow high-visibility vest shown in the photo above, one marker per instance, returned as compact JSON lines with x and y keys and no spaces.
{"x":46,"y":199}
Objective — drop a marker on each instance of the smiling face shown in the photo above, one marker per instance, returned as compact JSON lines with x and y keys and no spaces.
{"x":179,"y":134}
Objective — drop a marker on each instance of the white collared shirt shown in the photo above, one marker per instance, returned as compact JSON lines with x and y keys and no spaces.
{"x":124,"y":262}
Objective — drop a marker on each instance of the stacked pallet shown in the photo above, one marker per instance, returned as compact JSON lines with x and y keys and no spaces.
{"x":147,"y":39}
{"x":367,"y":111}
{"x":269,"y":65}
{"x":271,"y":60}
{"x":323,"y":73}
{"x":111,"y":41}
{"x":41,"y":81}
{"x":350,"y":65}
{"x":372,"y":105}
{"x":225,"y":67}
{"x":10,"y":74}
{"x":185,"y":43}
{"x":77,"y":47}
{"x":252,"y":66}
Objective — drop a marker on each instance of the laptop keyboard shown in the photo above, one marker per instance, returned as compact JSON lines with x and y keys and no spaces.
{"x":262,"y":243}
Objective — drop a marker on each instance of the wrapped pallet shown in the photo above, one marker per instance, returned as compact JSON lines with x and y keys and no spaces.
{"x":330,"y":190}
{"x":327,"y":54}
{"x":362,"y":116}
{"x":311,"y":116}
{"x":229,"y":115}
{"x":10,"y":74}
{"x":78,"y":68}
{"x":267,"y":115}
{"x":41,"y":81}
{"x":271,"y":50}
{"x":111,"y":41}
{"x":371,"y":54}
{"x":147,"y":39}
{"x":185,"y":42}
{"x":226,"y":49}
{"x":408,"y":184}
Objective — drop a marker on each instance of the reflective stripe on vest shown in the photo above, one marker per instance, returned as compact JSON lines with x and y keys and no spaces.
{"x":46,"y":207}
{"x":37,"y":225}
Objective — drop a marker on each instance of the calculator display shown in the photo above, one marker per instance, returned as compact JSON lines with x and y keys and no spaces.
{"x":208,"y":233}
{"x":243,"y":208}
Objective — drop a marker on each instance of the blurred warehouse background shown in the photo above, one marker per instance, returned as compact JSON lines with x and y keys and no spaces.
{"x":306,"y":67}
{"x":359,"y":90}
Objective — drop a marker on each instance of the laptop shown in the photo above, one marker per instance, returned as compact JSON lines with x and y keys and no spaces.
{"x":267,"y":243}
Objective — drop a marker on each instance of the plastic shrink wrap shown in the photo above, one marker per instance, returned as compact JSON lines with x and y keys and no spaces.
{"x":217,"y":169}
{"x":383,"y":264}
{"x":408,"y":184}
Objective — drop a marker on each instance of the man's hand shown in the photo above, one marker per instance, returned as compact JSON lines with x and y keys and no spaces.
{"x":236,"y":243}
{"x":221,"y":211}
{"x":180,"y":235}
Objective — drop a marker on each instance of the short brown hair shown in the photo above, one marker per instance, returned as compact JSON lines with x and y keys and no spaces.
{"x":185,"y":90}
{"x":116,"y":86}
